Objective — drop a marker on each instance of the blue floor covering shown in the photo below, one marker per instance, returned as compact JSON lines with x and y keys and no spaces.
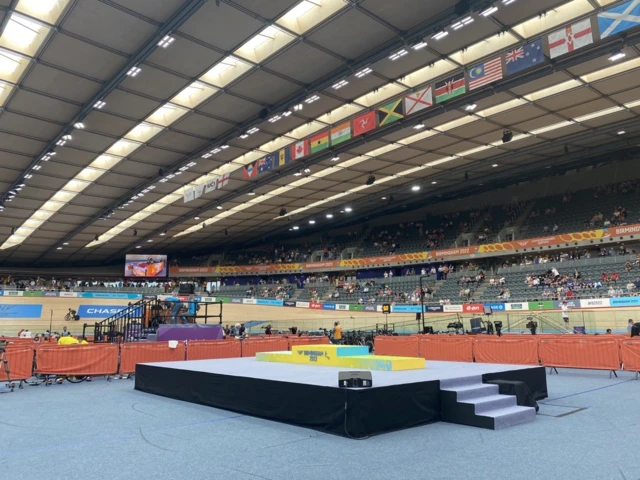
{"x":589,"y":428}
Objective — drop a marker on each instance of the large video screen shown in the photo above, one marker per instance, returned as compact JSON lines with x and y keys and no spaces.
{"x":150,"y":266}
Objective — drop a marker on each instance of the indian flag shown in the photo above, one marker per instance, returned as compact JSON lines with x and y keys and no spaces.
{"x":319,"y":142}
{"x":341,"y":133}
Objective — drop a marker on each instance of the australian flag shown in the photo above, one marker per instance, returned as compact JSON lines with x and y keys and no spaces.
{"x":524,"y":57}
{"x":265,"y":164}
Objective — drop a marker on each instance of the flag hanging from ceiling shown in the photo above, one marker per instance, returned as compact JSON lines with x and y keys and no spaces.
{"x":364,"y":123}
{"x":222,"y":181}
{"x":619,"y":18}
{"x":284,"y":156}
{"x":250,"y":170}
{"x":341,"y":133}
{"x":299,"y":150}
{"x":570,"y":38}
{"x":319,"y":141}
{"x":265,"y":164}
{"x":199,"y":190}
{"x":418,"y":100}
{"x":189,"y":194}
{"x":450,"y":88}
{"x":391,"y":112}
{"x":524,"y":57}
{"x":485,"y":73}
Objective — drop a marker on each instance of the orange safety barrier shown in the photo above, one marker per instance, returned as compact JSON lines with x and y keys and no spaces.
{"x":600,"y":354}
{"x":323,"y":340}
{"x":77,"y":359}
{"x":145,"y":352}
{"x":396,"y":346}
{"x":252,"y":346}
{"x":20,"y":359}
{"x":630,"y":354}
{"x":452,"y":348}
{"x":206,"y":349}
{"x":506,"y":349}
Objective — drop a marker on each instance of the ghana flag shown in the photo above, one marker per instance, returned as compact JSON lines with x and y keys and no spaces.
{"x":390,"y":113}
{"x":319,"y":142}
{"x":450,"y":88}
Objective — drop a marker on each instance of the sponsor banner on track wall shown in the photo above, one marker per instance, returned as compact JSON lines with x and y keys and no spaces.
{"x":249,"y":301}
{"x":570,"y":303}
{"x":473,"y":308}
{"x":1,"y":293}
{"x":289,"y":303}
{"x":205,"y":299}
{"x":8,"y":310}
{"x":224,"y":299}
{"x":625,"y":301}
{"x":36,"y":293}
{"x":315,"y":305}
{"x":69,"y":294}
{"x":120,"y":296}
{"x":236,"y":300}
{"x":369,"y":308}
{"x":595,"y":303}
{"x":516,"y":306}
{"x":302,"y":304}
{"x":342,"y":306}
{"x":543,"y":305}
{"x":496,"y":307}
{"x":12,"y":293}
{"x":451,"y":308}
{"x":316,"y":265}
{"x":271,"y":303}
{"x":405,"y":308}
{"x":99,"y":311}
{"x":328,"y":306}
{"x":50,"y":294}
{"x":433,"y":309}
{"x":356,"y":308}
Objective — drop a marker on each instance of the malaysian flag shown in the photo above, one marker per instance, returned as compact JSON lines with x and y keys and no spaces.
{"x":524,"y":57}
{"x":485,"y":73}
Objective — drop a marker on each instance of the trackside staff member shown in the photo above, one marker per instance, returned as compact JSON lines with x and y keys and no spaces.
{"x":175,"y":304}
{"x":336,"y":336}
{"x":565,"y":315}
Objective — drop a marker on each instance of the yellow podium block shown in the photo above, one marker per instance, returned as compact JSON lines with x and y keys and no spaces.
{"x":341,"y":356}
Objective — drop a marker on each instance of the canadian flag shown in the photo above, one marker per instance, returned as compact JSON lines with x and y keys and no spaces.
{"x":570,"y":38}
{"x":299,"y":150}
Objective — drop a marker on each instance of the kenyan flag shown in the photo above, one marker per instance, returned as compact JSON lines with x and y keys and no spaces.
{"x":450,"y":88}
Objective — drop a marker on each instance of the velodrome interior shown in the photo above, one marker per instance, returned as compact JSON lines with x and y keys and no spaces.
{"x":302,"y":163}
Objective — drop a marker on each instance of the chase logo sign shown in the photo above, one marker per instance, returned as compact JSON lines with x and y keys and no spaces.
{"x":99,"y":311}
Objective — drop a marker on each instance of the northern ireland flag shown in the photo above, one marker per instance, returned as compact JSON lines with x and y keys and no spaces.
{"x":619,"y":18}
{"x":418,"y":101}
{"x":299,"y":150}
{"x":570,"y":38}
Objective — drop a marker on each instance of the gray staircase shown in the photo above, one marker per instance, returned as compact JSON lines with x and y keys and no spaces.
{"x":468,"y":401}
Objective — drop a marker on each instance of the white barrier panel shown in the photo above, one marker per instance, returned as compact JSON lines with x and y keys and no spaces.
{"x":452,"y":308}
{"x":249,"y":301}
{"x":342,"y":306}
{"x":302,"y":304}
{"x":69,"y":294}
{"x":13,"y":293}
{"x":595,"y":303}
{"x":517,"y":306}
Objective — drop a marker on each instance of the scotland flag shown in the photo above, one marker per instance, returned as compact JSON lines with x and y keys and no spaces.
{"x":619,"y":18}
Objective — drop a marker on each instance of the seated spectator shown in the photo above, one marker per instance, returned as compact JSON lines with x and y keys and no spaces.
{"x":631,"y":286}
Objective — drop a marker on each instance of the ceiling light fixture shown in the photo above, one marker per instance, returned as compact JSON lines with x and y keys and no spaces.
{"x":134,"y":72}
{"x":383,"y":198}
{"x":440,"y":35}
{"x":99,"y":104}
{"x":363,"y":72}
{"x":219,"y":207}
{"x":434,"y":182}
{"x":494,"y":165}
{"x":275,"y":118}
{"x":310,"y":100}
{"x":295,"y":227}
{"x":462,"y":23}
{"x":507,"y":2}
{"x":299,"y":106}
{"x":399,"y":54}
{"x":163,"y":234}
{"x":79,"y":125}
{"x":419,"y":45}
{"x":340,"y":84}
{"x":251,"y":193}
{"x":196,"y":218}
{"x":471,"y":107}
{"x":335,"y":159}
{"x":312,"y":222}
{"x":621,"y":132}
{"x":329,"y":215}
{"x":166,"y":41}
{"x":416,"y":188}
{"x":348,"y":209}
{"x":617,"y":55}
{"x":419,"y":126}
{"x":253,"y":130}
{"x":489,"y":11}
